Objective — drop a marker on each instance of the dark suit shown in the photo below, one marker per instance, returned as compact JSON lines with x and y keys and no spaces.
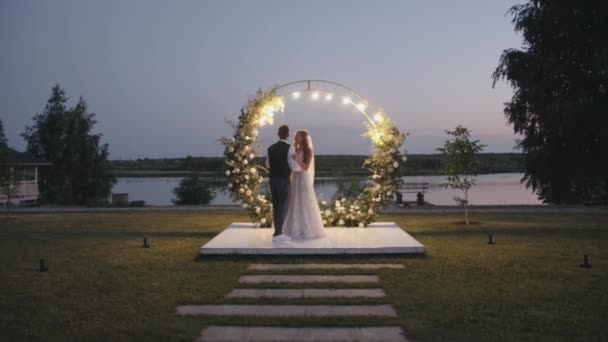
{"x":279,"y":183}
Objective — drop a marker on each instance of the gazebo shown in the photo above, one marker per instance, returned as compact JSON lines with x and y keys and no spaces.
{"x":25,"y":171}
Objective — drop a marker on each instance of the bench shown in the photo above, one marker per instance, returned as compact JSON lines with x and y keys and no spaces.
{"x":411,"y":188}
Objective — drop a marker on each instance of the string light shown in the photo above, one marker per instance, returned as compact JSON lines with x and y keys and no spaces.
{"x":361,"y":106}
{"x":296,"y":95}
{"x":328,"y":97}
{"x":346,"y":100}
{"x":315,"y":96}
{"x":378,"y":117}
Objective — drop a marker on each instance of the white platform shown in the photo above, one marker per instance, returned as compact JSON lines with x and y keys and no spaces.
{"x":378,"y":238}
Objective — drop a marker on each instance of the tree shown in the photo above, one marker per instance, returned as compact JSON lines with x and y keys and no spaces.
{"x":560,"y":100}
{"x":8,"y":183}
{"x":63,"y":136}
{"x":461,"y":164}
{"x":193,"y":190}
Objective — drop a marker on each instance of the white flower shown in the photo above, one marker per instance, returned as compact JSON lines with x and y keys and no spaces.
{"x":229,"y":185}
{"x":343,"y":199}
{"x":370,"y":211}
{"x":324,"y":222}
{"x":338,"y":204}
{"x":361,"y":225}
{"x":247,"y":177}
{"x":404,"y":158}
{"x":236,"y":170}
{"x":231,"y":149}
{"x":341,"y":222}
{"x":247,"y":138}
{"x":246,"y":148}
{"x":263,"y":220}
{"x":241,"y":190}
{"x":261,"y":180}
{"x":232,"y":139}
{"x":245,"y":205}
{"x":245,"y":162}
{"x":395,"y":164}
{"x":258,"y":210}
{"x":255,"y":133}
{"x":251,"y":156}
{"x":248,"y":193}
{"x":227,"y":172}
{"x":327,"y":212}
{"x":253,"y":170}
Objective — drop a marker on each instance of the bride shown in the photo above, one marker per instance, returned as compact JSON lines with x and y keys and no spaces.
{"x":303,"y":219}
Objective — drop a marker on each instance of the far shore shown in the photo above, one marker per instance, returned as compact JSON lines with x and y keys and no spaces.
{"x":434,"y":210}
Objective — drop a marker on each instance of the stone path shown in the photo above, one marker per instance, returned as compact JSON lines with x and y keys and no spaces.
{"x":306,"y":293}
{"x":235,"y":333}
{"x":287,"y":310}
{"x":291,"y":279}
{"x":306,"y":333}
{"x":283,"y":267}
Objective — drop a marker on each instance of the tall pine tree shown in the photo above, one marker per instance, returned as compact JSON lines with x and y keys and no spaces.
{"x":63,"y":136}
{"x":560,"y":101}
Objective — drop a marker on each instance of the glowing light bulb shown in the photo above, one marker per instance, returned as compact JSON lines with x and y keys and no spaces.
{"x":346,"y":100}
{"x":315,"y":96}
{"x":378,"y":117}
{"x":361,"y":106}
{"x":328,"y":97}
{"x":296,"y":95}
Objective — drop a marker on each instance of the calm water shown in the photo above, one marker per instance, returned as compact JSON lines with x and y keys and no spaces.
{"x":503,"y":188}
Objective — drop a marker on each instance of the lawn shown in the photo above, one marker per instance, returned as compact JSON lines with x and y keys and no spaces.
{"x":102,"y":286}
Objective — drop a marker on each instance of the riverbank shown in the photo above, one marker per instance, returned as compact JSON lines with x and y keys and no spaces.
{"x":429,"y":210}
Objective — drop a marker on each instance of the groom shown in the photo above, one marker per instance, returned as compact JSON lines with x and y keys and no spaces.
{"x":279,"y":182}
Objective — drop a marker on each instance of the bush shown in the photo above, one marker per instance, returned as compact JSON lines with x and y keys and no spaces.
{"x":193,"y":190}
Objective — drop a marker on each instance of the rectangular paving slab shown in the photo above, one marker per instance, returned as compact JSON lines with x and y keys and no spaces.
{"x":378,"y":238}
{"x":259,"y":279}
{"x":216,"y":333}
{"x":306,"y":293}
{"x":281,"y":267}
{"x":287,"y":310}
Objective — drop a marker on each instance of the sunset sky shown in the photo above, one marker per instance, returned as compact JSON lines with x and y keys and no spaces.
{"x":162,"y":76}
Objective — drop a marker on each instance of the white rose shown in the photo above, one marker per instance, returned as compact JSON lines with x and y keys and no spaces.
{"x":248,"y":193}
{"x":324,"y":203}
{"x":241,"y":190}
{"x":327,"y":212}
{"x":246,"y":148}
{"x":247,"y":177}
{"x":338,"y":204}
{"x":404,"y":158}
{"x":370,"y":211}
{"x":263,"y":220}
{"x":361,"y":225}
{"x":251,"y":156}
{"x":231,"y":149}
{"x":227,"y":172}
{"x":247,"y":138}
{"x":253,"y":170}
{"x":395,"y":164}
{"x":245,"y":162}
{"x":343,"y":199}
{"x":341,"y":222}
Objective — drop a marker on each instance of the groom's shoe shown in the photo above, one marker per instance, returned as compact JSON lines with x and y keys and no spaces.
{"x":281,"y":238}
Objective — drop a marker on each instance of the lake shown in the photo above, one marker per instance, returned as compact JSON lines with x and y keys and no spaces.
{"x":491,"y":189}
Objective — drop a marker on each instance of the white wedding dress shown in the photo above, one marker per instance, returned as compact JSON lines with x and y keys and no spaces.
{"x":303,"y":219}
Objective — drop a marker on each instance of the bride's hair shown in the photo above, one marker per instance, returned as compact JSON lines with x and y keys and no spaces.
{"x":304,"y":145}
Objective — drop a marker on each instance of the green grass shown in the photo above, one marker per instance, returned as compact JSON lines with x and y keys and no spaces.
{"x":102,"y":286}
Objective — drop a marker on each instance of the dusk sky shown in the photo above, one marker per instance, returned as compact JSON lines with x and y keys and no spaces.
{"x":162,"y":76}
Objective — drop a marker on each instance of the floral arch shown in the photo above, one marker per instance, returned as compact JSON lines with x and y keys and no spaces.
{"x":242,"y":148}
